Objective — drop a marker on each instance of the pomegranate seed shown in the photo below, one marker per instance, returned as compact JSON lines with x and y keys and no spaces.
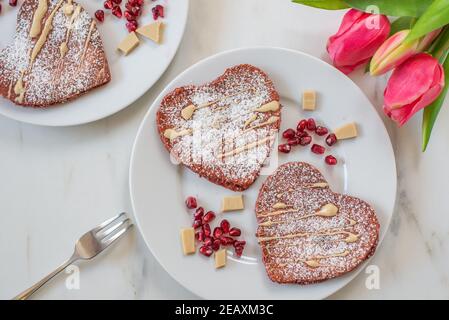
{"x":158,"y":11}
{"x":206,"y":251}
{"x":284,"y":148}
{"x":132,"y":2}
{"x":293,"y":141}
{"x":199,"y":212}
{"x":225,"y":225}
{"x":330,"y":160}
{"x":226,"y":241}
{"x":191,"y":202}
{"x":117,"y":11}
{"x":117,"y":1}
{"x":218,"y":232}
{"x":136,"y":11}
{"x":321,"y":131}
{"x":13,"y":3}
{"x":288,"y":134}
{"x":196,"y":224}
{"x":235,"y":232}
{"x":239,"y":243}
{"x":206,"y":230}
{"x":305,"y":140}
{"x":210,"y":215}
{"x":139,"y":2}
{"x":238,"y":251}
{"x":199,"y":236}
{"x":311,"y":125}
{"x":331,"y":139}
{"x":216,"y":244}
{"x":128,"y":6}
{"x":131,"y":25}
{"x":129,"y":16}
{"x":99,"y":14}
{"x":301,"y":125}
{"x":316,"y":148}
{"x":208,"y":241}
{"x":108,"y":4}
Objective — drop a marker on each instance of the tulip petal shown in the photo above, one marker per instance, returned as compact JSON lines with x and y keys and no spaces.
{"x":403,"y":114}
{"x":410,"y":80}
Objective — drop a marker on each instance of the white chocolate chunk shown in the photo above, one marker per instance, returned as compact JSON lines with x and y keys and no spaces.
{"x":309,"y":100}
{"x":188,"y":111}
{"x":347,"y":131}
{"x":129,"y":43}
{"x":279,"y":205}
{"x":312,"y":263}
{"x":328,"y":210}
{"x":152,"y":31}
{"x":220,"y":258}
{"x":188,"y":240}
{"x":232,"y":203}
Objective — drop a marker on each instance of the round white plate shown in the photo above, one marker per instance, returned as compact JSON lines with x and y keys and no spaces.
{"x":158,"y":187}
{"x":132,"y":75}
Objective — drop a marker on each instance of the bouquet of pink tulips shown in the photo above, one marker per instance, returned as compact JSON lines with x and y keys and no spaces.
{"x":409,"y":38}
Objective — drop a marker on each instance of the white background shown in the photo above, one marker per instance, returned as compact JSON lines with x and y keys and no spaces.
{"x":56,"y":183}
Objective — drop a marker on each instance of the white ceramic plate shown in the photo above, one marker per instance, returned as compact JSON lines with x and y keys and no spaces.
{"x":158,"y":187}
{"x":132,"y":75}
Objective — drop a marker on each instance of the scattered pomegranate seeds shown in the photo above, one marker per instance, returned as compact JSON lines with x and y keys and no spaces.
{"x":301,"y":125}
{"x":199,"y":213}
{"x":206,"y":230}
{"x":158,"y":11}
{"x":108,"y":4}
{"x":218,"y":232}
{"x":239,"y":243}
{"x":129,"y":16}
{"x":131,"y":26}
{"x":225,"y":226}
{"x":284,"y":148}
{"x":238,"y":251}
{"x":117,"y":1}
{"x":293,"y":141}
{"x":207,"y":251}
{"x":191,"y":202}
{"x":117,"y":11}
{"x":321,"y":131}
{"x":99,"y":14}
{"x":235,"y":232}
{"x":208,"y":241}
{"x":330,"y":160}
{"x":316,"y":148}
{"x":305,"y":140}
{"x":311,"y":125}
{"x":209,"y":216}
{"x":13,"y":3}
{"x":216,"y":244}
{"x":227,"y":241}
{"x":331,"y":139}
{"x":197,"y":223}
{"x":288,"y":134}
{"x":200,"y":236}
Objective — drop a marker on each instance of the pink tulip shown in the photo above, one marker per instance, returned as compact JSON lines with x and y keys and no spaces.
{"x":358,"y":38}
{"x":395,"y":50}
{"x":415,"y":84}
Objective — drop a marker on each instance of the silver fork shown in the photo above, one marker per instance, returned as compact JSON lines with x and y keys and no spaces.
{"x":87,"y":247}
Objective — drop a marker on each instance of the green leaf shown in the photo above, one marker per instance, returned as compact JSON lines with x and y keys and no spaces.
{"x":401,"y":23}
{"x":436,"y":16}
{"x":440,"y":47}
{"x":324,"y":4}
{"x":431,"y":112}
{"x":397,"y":8}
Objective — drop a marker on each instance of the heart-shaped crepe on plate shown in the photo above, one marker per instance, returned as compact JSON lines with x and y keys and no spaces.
{"x":57,"y":55}
{"x":223,"y":130}
{"x":307,"y":232}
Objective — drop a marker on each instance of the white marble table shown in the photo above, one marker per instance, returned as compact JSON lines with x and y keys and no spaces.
{"x":56,"y":183}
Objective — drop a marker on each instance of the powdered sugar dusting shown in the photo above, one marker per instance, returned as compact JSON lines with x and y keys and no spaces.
{"x":315,"y":238}
{"x":218,"y":125}
{"x":52,"y":78}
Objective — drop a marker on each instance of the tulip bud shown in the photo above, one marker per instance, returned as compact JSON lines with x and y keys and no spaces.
{"x":414,"y":85}
{"x":357,"y":39}
{"x":395,"y":51}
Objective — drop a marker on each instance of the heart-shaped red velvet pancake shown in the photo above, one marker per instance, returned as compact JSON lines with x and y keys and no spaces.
{"x":223,"y":130}
{"x":57,"y":55}
{"x":307,"y":232}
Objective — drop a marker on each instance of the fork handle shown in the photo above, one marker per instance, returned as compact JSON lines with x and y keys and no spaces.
{"x":28,"y":292}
